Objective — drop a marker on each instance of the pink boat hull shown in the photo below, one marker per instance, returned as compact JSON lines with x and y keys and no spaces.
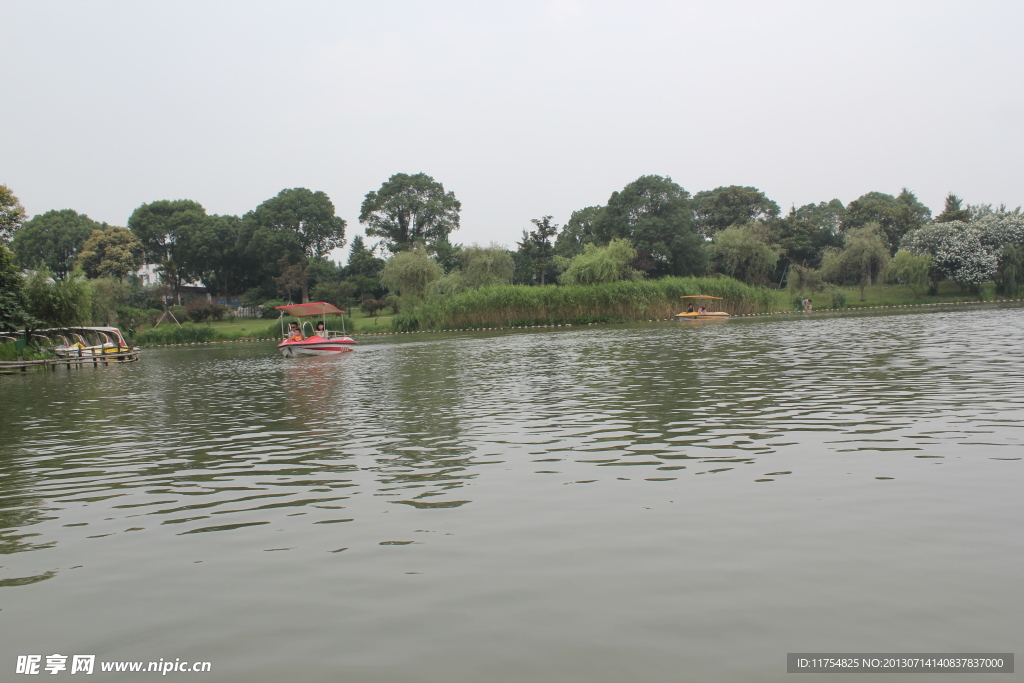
{"x":316,"y":346}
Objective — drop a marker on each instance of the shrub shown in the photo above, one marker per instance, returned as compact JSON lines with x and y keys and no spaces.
{"x":405,"y":322}
{"x":270,"y":310}
{"x":201,"y":310}
{"x":372,"y":306}
{"x":838,"y":300}
{"x":179,"y":313}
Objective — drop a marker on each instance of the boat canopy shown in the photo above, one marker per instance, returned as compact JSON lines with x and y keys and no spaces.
{"x":699,"y":296}
{"x":307,"y":310}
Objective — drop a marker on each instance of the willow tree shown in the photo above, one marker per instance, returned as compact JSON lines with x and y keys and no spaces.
{"x":862,"y":259}
{"x":743,"y":252}
{"x":910,"y":270}
{"x":408,"y":273}
{"x":596,"y":264}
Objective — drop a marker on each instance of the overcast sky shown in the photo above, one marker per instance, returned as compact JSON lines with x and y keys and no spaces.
{"x":523,"y":109}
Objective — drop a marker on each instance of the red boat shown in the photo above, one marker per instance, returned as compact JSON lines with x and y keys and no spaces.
{"x":319,"y":343}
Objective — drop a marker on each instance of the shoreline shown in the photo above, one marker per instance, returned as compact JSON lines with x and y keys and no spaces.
{"x":650,"y":320}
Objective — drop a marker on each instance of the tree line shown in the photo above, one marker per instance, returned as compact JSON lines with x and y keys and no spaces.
{"x":652,"y":228}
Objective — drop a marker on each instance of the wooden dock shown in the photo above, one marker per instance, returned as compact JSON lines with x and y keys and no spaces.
{"x":14,"y":366}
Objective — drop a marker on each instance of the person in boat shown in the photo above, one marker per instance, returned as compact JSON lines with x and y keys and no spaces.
{"x":294,"y":333}
{"x":690,"y":309}
{"x":321,"y":330}
{"x":702,"y":310}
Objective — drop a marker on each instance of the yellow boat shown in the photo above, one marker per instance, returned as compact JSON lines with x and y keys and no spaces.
{"x":698,"y":314}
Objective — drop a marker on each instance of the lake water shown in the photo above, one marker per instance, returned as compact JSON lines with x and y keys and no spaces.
{"x":652,"y":502}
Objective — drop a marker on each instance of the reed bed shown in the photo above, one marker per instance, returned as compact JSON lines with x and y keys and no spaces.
{"x":519,"y":305}
{"x":186,"y":333}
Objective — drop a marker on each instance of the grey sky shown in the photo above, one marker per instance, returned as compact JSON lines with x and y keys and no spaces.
{"x":521,"y":108}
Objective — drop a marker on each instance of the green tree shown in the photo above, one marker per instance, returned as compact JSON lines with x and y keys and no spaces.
{"x":446,"y":254}
{"x":61,"y":303}
{"x":12,"y":214}
{"x":161,"y":227}
{"x":655,"y":215}
{"x":53,"y":240}
{"x":895,"y":216}
{"x":911,"y":270}
{"x":483,"y":266}
{"x":409,"y":209}
{"x":806,"y":232}
{"x":209,"y":251}
{"x":536,"y":248}
{"x":577,"y":232}
{"x":159,"y":224}
{"x":953,"y":211}
{"x":743,"y":252}
{"x":408,"y":273}
{"x":862,"y":260}
{"x":361,"y":260}
{"x":297,"y":224}
{"x":722,"y":207}
{"x":596,"y":264}
{"x":111,"y":252}
{"x":12,"y":295}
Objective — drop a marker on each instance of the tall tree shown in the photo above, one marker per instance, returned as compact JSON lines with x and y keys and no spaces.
{"x":721,"y":207}
{"x":577,"y":232}
{"x":209,"y":251}
{"x":363,"y":270}
{"x":408,"y":209}
{"x":12,"y":214}
{"x":895,"y":216}
{"x":655,"y":215}
{"x":805,"y":233}
{"x":12,"y":293}
{"x":111,"y":252}
{"x":953,"y":210}
{"x":52,"y":240}
{"x":536,"y":247}
{"x":297,"y":224}
{"x":160,"y":225}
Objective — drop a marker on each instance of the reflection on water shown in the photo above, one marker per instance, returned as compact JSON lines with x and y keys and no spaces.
{"x":594,"y":461}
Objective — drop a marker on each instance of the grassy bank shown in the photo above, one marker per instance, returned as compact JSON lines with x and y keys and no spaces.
{"x":517,"y":305}
{"x":249,"y":328}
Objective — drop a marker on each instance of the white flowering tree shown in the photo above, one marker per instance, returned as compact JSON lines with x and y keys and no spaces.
{"x":958,"y":252}
{"x":1003,"y":230}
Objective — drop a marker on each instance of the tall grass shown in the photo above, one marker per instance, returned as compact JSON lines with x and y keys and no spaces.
{"x":515,"y":305}
{"x":187,"y":333}
{"x":190,"y":333}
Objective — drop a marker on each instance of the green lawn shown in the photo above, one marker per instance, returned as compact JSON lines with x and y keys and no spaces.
{"x":896,"y":295}
{"x":949,"y":292}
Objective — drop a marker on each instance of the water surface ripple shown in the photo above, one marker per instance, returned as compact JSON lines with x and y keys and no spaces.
{"x":597,"y":503}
